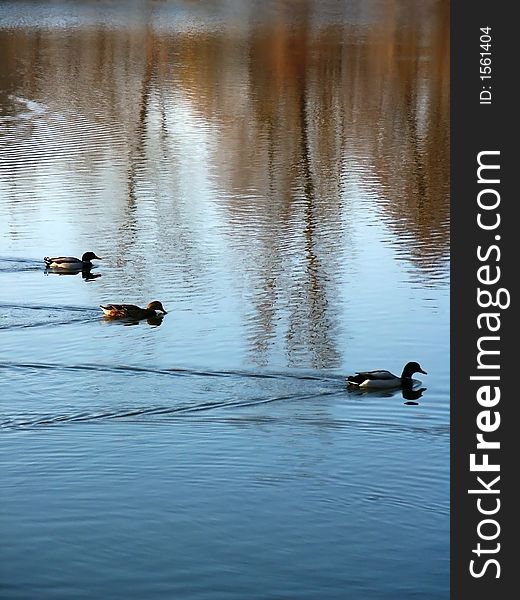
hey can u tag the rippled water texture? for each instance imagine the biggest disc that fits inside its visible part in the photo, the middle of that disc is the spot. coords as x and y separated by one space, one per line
276 174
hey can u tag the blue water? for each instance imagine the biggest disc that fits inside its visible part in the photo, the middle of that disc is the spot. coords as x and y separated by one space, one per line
277 176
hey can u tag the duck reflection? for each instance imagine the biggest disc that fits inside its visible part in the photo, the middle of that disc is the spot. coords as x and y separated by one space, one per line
155 321
409 394
128 322
86 273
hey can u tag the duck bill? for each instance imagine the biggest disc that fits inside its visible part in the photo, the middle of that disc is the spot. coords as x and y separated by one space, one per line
423 372
98 257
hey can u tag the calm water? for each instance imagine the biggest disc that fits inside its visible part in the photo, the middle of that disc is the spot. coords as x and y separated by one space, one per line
276 173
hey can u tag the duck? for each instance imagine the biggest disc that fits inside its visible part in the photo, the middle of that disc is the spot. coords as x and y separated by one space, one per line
71 263
133 312
382 379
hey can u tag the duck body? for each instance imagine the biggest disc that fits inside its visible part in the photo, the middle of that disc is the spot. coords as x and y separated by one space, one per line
382 379
133 312
71 263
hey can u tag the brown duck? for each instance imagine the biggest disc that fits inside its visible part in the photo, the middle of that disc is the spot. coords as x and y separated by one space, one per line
131 311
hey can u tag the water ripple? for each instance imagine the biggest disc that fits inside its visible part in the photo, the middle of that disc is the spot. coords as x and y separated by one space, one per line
24 316
173 372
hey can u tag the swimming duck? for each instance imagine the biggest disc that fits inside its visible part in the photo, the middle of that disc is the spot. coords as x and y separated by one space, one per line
133 312
71 263
384 379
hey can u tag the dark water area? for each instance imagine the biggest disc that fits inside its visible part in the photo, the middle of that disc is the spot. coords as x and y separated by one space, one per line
277 175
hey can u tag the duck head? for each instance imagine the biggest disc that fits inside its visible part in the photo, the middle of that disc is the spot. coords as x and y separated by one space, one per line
156 306
88 256
411 368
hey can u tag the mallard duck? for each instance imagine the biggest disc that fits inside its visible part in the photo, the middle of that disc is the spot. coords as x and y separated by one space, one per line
384 379
133 312
71 263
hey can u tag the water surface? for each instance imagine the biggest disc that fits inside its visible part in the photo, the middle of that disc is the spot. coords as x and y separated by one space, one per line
276 174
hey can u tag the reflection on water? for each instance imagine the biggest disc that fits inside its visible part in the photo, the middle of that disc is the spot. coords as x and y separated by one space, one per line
154 321
411 394
86 273
277 173
265 142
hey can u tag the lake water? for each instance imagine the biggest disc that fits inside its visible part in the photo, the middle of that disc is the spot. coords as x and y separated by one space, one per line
277 175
